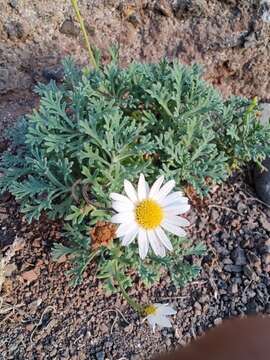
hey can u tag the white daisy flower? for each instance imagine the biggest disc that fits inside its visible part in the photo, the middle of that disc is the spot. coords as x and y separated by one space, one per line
157 315
146 213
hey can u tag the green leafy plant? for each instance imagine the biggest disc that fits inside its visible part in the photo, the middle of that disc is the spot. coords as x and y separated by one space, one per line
102 126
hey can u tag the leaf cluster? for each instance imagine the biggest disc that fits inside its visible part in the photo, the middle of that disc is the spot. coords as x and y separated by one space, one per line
102 126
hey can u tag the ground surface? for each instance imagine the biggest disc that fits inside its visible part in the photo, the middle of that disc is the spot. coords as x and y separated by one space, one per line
41 317
51 321
229 37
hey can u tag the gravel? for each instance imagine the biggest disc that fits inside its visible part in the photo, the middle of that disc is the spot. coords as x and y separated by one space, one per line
50 320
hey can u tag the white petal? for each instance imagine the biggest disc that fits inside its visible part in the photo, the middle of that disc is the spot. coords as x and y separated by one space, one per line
118 197
164 238
177 209
142 188
122 207
155 243
165 190
156 186
147 188
177 220
175 197
164 309
130 191
128 238
152 322
143 243
176 230
126 228
162 321
122 217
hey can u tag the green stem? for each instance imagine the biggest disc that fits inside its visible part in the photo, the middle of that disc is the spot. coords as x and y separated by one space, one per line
136 306
85 35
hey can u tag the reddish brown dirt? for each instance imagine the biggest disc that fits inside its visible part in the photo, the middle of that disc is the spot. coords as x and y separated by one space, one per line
230 38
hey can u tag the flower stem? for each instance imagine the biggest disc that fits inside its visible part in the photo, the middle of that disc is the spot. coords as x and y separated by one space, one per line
134 304
85 35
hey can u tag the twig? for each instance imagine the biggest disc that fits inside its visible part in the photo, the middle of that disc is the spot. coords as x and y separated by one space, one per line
85 35
254 198
40 321
248 285
116 311
78 338
223 207
7 309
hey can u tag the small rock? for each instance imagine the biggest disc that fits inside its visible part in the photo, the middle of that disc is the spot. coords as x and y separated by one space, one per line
262 182
265 223
3 214
249 272
266 268
198 308
227 261
30 327
30 275
179 334
266 259
217 321
234 289
13 3
239 257
104 328
4 78
204 299
69 28
163 8
9 269
100 355
129 329
15 30
251 294
55 72
267 308
250 41
252 307
32 307
265 11
134 19
253 258
233 268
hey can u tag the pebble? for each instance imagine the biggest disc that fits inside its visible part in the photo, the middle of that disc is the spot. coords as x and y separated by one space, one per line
13 3
178 332
252 307
239 257
234 289
249 272
55 72
267 308
100 355
266 259
15 30
163 8
68 28
265 11
218 321
4 78
198 306
233 268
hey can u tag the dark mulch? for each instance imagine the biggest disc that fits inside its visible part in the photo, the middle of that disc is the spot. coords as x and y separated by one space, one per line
53 321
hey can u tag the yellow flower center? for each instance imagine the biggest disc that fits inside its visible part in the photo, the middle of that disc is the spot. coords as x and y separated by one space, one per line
149 214
150 310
